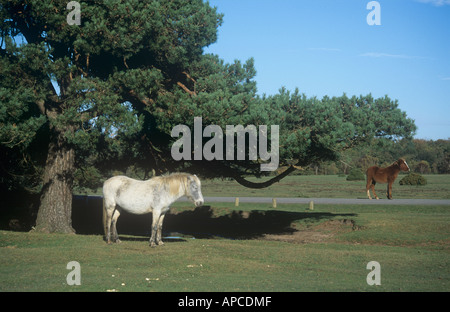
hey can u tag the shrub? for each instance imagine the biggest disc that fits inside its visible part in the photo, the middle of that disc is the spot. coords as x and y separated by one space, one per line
355 175
423 167
413 179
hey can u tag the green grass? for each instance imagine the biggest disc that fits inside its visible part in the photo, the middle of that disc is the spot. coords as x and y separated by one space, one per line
411 243
325 186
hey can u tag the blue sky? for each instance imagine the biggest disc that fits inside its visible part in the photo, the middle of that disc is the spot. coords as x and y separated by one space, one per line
326 47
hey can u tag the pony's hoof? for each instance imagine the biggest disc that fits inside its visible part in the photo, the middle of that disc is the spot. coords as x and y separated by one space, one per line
378 198
152 244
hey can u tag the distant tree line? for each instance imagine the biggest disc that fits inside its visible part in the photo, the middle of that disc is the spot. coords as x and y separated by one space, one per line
422 156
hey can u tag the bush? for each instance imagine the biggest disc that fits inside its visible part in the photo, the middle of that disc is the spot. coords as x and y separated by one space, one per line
413 179
356 175
422 167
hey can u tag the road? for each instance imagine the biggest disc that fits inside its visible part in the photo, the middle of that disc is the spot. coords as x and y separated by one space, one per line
334 201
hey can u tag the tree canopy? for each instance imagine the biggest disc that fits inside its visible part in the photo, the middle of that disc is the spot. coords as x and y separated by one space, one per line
84 99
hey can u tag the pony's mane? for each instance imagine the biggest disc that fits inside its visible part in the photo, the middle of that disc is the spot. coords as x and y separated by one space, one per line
399 161
174 180
175 174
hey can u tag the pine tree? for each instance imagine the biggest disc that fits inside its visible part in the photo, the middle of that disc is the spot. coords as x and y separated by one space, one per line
77 80
105 94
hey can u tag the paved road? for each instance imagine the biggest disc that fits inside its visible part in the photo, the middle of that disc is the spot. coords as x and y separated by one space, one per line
334 201
337 201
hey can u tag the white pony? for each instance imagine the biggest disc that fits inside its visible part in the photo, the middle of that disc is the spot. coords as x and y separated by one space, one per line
140 197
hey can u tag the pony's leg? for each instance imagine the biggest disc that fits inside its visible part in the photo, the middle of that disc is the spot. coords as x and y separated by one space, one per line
372 186
373 191
368 194
159 231
367 189
389 190
115 216
155 222
107 217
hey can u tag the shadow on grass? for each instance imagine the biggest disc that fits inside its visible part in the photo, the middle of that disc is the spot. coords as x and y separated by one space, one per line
169 239
202 222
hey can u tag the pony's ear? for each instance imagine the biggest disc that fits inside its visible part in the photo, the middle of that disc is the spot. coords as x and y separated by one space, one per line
192 177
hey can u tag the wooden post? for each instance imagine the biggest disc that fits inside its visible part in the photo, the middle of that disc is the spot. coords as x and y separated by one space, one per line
311 205
274 203
236 202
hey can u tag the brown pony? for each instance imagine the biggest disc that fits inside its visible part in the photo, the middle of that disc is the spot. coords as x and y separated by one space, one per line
384 175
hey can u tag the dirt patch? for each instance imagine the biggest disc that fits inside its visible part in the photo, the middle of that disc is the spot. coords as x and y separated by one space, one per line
323 232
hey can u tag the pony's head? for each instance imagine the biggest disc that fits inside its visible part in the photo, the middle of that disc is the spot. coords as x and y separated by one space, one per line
193 190
403 165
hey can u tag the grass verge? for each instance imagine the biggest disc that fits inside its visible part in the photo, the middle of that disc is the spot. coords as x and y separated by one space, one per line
411 243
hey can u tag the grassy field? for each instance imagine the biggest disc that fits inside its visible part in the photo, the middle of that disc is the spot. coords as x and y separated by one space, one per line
252 247
326 249
326 186
329 186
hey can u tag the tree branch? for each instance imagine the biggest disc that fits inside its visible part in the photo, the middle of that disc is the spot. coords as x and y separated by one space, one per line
144 100
192 93
259 185
189 76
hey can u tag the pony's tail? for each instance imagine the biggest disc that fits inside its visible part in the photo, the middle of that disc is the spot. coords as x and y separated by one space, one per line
105 217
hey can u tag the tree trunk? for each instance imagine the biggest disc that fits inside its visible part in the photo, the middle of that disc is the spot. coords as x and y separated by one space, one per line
55 211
